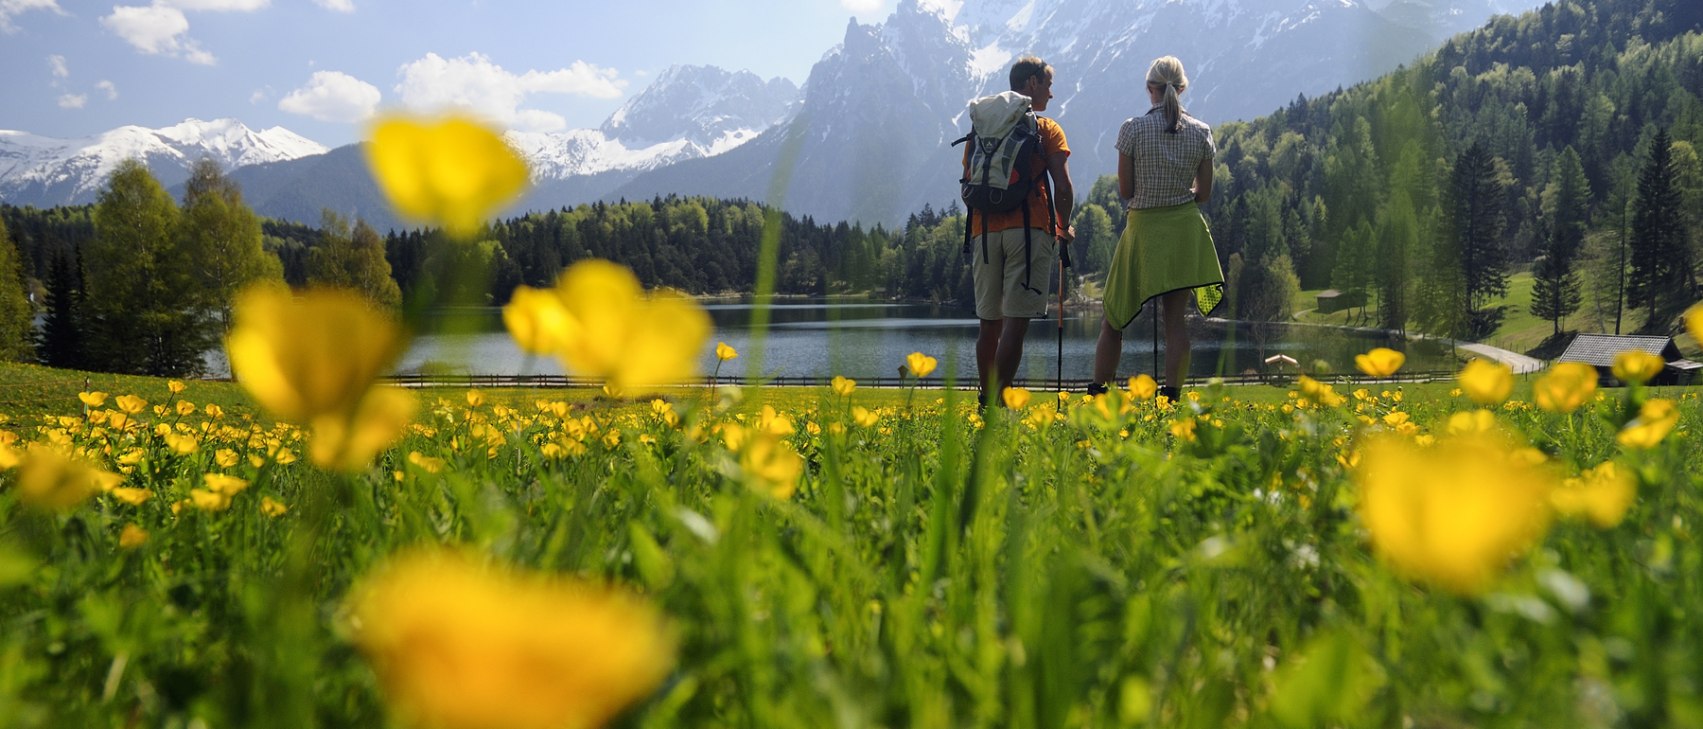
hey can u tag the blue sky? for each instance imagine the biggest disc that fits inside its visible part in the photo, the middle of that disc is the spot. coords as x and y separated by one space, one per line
320 67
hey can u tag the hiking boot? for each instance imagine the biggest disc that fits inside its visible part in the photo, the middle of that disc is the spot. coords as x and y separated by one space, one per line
1098 388
1169 392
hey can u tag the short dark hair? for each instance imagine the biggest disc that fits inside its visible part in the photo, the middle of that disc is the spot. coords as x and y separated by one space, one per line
1026 68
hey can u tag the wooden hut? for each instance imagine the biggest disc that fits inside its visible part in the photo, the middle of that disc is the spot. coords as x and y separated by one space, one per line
1598 350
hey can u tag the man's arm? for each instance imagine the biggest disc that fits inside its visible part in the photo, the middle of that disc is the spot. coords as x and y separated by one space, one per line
1064 196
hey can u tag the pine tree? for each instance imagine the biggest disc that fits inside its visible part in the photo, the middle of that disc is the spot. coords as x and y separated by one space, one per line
1476 198
61 335
1661 279
223 235
17 317
1556 285
146 312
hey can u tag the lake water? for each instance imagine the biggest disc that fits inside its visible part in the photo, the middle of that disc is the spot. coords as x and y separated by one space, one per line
863 339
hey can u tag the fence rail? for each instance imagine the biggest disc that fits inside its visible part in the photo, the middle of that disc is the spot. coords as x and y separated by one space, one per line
469 381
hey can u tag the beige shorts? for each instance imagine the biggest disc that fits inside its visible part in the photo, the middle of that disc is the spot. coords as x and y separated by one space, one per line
1000 293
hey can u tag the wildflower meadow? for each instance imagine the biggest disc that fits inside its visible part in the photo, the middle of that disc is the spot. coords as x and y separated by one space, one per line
311 547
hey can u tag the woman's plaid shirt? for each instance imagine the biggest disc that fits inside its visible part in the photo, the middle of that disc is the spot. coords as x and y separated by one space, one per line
1165 163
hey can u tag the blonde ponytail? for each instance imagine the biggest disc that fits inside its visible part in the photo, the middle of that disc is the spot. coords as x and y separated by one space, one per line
1168 72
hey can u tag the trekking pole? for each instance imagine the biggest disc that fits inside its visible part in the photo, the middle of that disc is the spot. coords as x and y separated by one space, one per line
1063 263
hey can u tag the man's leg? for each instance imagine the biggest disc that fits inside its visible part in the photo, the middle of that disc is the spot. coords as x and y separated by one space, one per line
1010 351
987 348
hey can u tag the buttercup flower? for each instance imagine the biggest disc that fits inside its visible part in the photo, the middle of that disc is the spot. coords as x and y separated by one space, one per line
1455 513
458 644
349 443
92 399
616 331
1487 382
131 404
725 352
1656 418
864 416
1380 362
304 357
132 536
453 171
1566 387
919 364
772 465
537 320
1142 387
1015 397
1694 321
49 478
1635 366
1601 494
842 386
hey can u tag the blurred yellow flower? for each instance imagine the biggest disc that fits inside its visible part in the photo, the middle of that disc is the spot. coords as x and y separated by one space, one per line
213 411
636 341
1184 429
1455 513
272 507
537 320
10 457
1472 422
1694 321
919 364
1142 387
772 464
220 483
771 421
475 398
1566 387
225 457
130 495
458 644
842 386
425 462
131 404
452 171
209 501
1638 367
1380 362
49 478
724 352
132 536
303 357
349 443
1015 398
92 399
181 444
1487 382
1601 495
1656 418
864 416
185 407
175 386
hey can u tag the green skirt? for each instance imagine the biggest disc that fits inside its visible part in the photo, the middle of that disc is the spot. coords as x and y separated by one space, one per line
1163 250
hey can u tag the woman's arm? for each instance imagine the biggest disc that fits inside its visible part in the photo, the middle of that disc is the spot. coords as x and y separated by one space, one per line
1202 181
1126 178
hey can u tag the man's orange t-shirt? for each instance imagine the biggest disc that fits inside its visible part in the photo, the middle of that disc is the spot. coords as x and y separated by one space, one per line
1040 196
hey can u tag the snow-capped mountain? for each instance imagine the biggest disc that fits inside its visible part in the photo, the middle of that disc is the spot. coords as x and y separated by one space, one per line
42 170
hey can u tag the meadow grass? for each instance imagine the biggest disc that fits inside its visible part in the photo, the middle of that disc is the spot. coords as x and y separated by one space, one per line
1119 563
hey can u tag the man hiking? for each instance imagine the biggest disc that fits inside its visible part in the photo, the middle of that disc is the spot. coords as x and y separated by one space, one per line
1015 249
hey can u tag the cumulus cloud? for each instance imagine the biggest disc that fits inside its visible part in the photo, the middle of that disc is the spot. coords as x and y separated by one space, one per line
110 89
13 8
476 84
341 6
863 7
156 30
230 6
56 62
333 96
73 101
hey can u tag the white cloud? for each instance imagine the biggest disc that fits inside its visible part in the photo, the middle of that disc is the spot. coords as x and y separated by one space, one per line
11 8
260 95
341 6
110 89
863 7
73 101
475 84
156 30
332 96
234 6
57 63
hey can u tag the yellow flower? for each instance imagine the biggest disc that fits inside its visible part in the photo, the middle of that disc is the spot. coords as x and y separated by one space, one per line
130 495
132 536
1487 382
92 399
919 364
842 386
1656 418
1472 422
425 462
349 443
1142 387
225 457
1566 387
724 352
10 457
175 386
1601 495
49 478
182 445
1694 321
303 357
1455 513
272 507
475 398
771 421
131 404
1183 429
864 417
452 171
1015 397
1380 362
209 500
185 407
213 411
636 341
219 483
537 320
772 464
1637 367
458 644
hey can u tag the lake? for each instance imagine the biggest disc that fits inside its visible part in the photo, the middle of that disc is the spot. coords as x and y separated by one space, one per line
864 339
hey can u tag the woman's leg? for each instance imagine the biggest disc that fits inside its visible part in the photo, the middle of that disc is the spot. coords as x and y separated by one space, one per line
1175 306
1106 353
